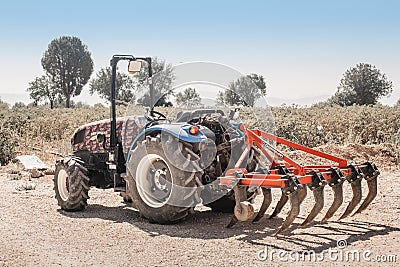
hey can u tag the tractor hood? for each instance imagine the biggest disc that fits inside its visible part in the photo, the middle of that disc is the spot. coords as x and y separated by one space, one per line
86 137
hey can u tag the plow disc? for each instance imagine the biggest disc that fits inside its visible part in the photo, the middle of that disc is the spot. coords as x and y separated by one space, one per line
294 178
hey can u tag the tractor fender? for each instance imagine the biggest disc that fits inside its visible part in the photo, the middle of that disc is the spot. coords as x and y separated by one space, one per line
178 130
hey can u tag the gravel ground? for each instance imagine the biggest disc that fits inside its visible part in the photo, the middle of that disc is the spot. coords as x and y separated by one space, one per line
35 232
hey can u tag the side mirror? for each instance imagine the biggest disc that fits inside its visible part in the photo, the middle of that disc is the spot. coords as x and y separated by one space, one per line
134 66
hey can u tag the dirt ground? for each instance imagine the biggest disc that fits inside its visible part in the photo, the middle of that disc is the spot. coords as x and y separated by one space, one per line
35 232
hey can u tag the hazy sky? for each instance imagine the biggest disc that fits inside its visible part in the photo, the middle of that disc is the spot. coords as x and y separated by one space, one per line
302 48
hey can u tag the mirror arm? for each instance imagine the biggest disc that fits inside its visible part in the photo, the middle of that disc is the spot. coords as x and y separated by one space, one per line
152 104
113 62
113 137
150 70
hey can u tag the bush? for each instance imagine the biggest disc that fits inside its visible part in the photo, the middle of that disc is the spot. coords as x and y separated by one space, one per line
7 146
315 126
19 105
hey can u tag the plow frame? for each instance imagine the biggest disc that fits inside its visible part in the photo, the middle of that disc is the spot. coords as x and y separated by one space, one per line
273 179
294 178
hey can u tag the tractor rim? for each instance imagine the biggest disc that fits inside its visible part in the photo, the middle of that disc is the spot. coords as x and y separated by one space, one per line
62 184
154 180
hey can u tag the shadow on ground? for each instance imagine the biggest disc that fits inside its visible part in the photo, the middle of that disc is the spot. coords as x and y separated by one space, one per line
211 225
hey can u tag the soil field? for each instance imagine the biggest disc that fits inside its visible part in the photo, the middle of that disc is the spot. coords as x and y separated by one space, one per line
35 232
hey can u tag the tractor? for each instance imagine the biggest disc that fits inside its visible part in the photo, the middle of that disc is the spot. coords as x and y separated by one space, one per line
164 169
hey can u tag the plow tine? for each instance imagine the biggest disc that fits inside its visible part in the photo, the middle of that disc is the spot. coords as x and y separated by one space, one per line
281 203
336 183
371 175
317 186
337 201
372 186
292 192
303 194
319 204
264 206
284 198
357 194
294 211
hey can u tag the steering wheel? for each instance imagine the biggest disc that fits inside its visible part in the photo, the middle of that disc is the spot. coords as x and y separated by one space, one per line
159 117
152 119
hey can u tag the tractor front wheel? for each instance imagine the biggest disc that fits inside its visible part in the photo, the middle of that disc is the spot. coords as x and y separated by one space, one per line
71 184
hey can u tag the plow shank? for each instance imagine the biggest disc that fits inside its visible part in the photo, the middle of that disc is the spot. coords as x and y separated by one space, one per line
294 211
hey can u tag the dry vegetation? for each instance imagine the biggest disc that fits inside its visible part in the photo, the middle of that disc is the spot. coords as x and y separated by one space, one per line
30 215
317 126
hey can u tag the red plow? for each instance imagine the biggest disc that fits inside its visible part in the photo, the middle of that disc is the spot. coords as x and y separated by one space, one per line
294 178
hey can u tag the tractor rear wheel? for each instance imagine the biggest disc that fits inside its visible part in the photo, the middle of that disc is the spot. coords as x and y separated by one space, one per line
71 184
162 192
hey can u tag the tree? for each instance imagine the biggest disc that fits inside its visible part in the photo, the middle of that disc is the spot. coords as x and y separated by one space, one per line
244 91
220 98
3 105
189 97
160 100
69 64
19 104
363 84
41 89
398 103
163 77
125 86
259 81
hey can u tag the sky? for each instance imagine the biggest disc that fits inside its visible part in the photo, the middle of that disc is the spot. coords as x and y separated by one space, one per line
302 48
